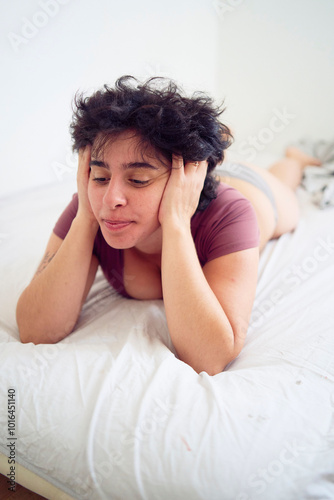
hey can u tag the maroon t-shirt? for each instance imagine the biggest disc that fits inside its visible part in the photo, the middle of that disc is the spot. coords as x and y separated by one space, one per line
227 225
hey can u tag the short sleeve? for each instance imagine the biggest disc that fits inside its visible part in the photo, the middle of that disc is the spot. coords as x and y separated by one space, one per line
65 220
229 224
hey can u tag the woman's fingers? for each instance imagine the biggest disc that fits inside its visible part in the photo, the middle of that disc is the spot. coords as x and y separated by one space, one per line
83 182
83 167
177 163
84 157
183 190
199 166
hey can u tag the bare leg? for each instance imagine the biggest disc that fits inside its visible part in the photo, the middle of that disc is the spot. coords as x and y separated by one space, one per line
283 178
290 169
287 175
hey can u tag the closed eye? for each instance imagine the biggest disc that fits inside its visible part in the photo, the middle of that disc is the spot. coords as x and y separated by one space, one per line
100 180
134 182
138 183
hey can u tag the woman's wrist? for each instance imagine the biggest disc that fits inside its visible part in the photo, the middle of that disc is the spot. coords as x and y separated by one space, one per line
86 223
174 222
175 233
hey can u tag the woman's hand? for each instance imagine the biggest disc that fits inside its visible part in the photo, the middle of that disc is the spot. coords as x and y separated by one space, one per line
182 191
84 210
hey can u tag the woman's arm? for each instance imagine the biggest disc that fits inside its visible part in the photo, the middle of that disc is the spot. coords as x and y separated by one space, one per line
49 307
207 309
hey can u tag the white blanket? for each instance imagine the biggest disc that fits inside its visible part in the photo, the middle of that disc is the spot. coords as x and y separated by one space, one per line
111 413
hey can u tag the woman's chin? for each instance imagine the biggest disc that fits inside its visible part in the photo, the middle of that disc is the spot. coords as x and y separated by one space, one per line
118 239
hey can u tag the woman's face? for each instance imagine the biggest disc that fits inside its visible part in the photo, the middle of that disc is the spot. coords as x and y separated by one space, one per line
125 190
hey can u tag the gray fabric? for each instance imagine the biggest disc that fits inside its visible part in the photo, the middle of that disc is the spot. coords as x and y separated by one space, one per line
244 173
319 181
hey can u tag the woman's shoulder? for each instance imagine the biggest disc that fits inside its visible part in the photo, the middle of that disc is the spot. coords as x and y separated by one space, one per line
227 225
227 202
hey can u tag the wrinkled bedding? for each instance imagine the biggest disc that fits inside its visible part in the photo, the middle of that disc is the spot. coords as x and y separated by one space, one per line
110 412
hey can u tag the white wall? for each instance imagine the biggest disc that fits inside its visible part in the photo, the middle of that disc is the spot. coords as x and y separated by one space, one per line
82 45
276 59
263 56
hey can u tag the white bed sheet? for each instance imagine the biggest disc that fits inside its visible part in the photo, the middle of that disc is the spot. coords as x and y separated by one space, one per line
110 412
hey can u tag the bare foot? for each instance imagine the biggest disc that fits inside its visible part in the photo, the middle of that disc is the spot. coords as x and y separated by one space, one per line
302 158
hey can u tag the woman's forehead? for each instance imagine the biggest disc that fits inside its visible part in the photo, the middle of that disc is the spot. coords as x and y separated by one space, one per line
105 141
129 142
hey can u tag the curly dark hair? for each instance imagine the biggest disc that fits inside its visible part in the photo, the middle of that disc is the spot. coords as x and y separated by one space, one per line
163 117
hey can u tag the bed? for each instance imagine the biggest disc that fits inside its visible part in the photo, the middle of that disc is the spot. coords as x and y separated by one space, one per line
111 413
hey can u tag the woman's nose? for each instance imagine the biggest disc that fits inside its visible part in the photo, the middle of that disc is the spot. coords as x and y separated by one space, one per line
115 195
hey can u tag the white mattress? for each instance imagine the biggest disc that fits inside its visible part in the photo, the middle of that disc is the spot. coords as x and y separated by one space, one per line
110 412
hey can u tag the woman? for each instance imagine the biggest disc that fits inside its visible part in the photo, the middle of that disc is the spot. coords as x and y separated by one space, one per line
152 214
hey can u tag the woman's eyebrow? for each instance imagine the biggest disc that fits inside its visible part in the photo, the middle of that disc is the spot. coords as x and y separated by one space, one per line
97 163
139 164
125 166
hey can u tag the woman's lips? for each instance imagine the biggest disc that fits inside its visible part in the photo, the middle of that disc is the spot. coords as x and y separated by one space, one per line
116 225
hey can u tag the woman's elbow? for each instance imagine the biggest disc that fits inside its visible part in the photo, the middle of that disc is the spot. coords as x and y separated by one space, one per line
219 367
43 336
214 365
28 336
219 361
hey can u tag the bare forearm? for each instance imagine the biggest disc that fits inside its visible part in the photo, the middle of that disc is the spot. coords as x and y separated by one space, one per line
49 307
199 328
